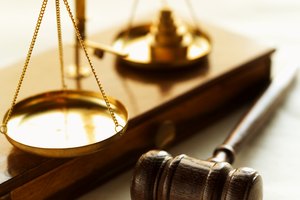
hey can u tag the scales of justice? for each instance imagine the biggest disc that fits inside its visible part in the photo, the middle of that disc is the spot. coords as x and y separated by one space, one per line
170 83
66 123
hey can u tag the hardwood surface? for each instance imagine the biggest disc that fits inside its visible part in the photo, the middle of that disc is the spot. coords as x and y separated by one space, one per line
229 76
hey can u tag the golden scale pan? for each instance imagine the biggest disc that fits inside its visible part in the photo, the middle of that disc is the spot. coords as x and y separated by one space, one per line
165 44
63 123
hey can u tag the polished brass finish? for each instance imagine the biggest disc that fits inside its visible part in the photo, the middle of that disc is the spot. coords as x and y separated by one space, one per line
165 44
99 49
81 42
80 7
60 45
65 123
78 71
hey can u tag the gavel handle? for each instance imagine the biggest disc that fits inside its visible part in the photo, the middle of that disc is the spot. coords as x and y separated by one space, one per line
256 116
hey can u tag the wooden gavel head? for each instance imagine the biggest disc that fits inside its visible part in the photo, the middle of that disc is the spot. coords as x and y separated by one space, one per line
159 176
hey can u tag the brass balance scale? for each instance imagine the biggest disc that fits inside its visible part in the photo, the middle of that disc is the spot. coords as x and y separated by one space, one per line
65 122
81 122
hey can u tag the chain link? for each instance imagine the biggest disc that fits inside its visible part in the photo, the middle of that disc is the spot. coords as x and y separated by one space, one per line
91 65
60 46
3 128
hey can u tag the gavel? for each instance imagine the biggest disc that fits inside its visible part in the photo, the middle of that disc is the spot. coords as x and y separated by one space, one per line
159 176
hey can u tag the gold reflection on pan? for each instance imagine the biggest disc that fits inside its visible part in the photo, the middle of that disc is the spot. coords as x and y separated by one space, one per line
64 123
137 43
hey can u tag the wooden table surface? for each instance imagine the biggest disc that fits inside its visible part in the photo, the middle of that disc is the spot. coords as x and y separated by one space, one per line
274 153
